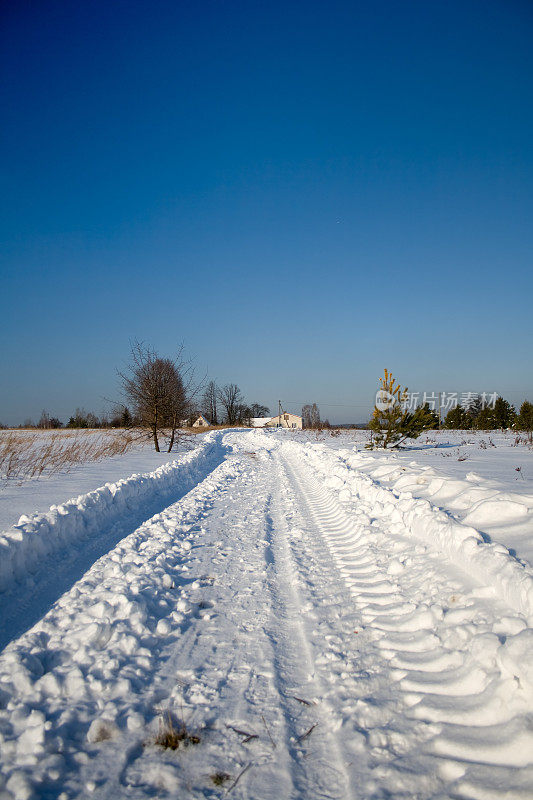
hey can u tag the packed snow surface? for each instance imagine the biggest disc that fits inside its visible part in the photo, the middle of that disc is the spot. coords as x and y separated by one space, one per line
298 617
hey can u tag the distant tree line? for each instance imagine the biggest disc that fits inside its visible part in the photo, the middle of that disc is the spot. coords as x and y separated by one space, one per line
392 421
161 399
477 416
81 419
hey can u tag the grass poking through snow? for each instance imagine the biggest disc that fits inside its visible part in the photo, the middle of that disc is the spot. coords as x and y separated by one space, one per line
171 736
30 454
220 778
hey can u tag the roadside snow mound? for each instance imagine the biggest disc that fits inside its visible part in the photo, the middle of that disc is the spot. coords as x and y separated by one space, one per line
37 536
494 505
490 564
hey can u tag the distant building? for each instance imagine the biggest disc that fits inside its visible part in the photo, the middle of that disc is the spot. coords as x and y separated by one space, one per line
259 422
201 422
285 420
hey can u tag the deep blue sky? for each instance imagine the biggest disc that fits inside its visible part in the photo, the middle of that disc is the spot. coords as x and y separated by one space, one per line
302 192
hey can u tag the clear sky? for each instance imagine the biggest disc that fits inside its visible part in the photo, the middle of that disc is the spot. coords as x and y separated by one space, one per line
301 192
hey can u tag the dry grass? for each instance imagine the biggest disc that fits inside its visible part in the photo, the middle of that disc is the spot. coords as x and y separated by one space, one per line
220 778
172 736
29 454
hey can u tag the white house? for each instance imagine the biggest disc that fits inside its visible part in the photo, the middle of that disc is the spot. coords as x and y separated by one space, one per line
285 420
201 422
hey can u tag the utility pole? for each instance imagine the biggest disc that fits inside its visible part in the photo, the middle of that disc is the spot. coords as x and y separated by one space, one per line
279 412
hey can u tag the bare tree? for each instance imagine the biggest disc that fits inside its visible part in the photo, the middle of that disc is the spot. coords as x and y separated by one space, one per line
92 420
257 410
155 390
243 414
177 404
230 398
311 416
315 416
209 403
44 421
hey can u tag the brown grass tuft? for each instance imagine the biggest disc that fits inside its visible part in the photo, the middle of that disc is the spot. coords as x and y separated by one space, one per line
220 778
25 455
171 737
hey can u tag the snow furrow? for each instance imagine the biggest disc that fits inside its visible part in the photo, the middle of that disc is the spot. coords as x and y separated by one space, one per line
490 563
32 576
23 546
91 669
450 669
312 732
368 708
180 619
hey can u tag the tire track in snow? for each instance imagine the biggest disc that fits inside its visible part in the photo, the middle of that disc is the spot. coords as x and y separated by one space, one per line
239 667
220 675
360 691
318 768
444 668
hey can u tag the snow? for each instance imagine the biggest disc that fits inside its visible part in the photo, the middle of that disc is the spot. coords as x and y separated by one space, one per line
482 479
38 494
324 621
83 528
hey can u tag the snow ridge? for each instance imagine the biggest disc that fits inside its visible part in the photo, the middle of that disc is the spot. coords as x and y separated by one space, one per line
491 564
87 669
459 669
25 545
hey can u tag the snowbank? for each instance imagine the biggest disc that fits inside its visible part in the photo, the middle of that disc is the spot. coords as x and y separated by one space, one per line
37 536
491 564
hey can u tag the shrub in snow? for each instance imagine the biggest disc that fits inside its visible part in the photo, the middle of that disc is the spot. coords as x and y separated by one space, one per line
524 421
391 423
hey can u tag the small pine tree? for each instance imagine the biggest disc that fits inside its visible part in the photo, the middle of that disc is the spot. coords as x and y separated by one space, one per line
504 414
78 420
431 417
484 421
473 409
390 423
385 420
457 419
524 421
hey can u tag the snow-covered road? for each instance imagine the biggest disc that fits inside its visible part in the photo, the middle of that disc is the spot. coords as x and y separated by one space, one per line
321 635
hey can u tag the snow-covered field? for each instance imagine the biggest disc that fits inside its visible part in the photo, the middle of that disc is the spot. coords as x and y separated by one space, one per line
316 620
20 494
